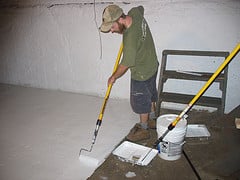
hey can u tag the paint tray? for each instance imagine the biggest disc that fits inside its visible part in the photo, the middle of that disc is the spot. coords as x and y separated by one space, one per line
197 130
135 153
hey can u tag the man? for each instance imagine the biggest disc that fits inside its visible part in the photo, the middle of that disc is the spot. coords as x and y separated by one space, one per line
140 57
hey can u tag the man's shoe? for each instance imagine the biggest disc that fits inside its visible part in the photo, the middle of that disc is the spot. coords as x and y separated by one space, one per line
152 124
137 133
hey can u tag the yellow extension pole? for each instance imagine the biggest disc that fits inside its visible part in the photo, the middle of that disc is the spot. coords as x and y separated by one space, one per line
110 85
200 93
99 121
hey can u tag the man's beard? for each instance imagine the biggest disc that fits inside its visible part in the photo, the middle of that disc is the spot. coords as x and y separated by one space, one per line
121 27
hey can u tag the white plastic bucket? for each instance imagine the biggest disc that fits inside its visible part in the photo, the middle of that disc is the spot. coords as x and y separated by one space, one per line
171 146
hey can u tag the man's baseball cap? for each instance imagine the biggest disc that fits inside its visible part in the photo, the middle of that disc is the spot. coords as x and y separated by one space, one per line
110 14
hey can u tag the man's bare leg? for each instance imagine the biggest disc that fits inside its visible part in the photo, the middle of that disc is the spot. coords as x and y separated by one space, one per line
152 114
153 107
144 120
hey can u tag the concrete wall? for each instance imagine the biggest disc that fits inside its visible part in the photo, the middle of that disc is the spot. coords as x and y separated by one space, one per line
56 44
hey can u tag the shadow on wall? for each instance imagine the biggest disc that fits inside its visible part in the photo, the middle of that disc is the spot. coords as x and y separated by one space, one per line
10 36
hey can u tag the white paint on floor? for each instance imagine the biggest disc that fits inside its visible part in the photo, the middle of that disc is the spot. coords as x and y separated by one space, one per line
42 132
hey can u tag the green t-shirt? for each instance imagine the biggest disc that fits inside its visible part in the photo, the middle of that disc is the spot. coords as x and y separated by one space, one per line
138 47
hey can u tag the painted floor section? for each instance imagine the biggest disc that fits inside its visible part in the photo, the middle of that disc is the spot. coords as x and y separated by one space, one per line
42 132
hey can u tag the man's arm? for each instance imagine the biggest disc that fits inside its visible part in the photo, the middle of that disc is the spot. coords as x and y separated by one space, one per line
118 73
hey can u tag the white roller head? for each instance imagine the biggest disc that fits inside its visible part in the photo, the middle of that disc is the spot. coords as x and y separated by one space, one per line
89 161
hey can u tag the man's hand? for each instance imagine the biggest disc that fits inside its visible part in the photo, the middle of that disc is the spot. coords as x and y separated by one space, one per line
117 74
111 80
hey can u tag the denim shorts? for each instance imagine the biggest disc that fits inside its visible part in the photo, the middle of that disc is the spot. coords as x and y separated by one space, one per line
143 93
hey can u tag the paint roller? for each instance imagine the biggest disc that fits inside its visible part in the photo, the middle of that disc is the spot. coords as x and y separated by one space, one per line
85 159
200 93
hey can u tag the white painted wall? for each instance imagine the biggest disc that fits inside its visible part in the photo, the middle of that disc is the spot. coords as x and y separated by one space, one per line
59 47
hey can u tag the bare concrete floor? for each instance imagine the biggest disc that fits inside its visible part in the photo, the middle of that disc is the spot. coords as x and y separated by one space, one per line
216 157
